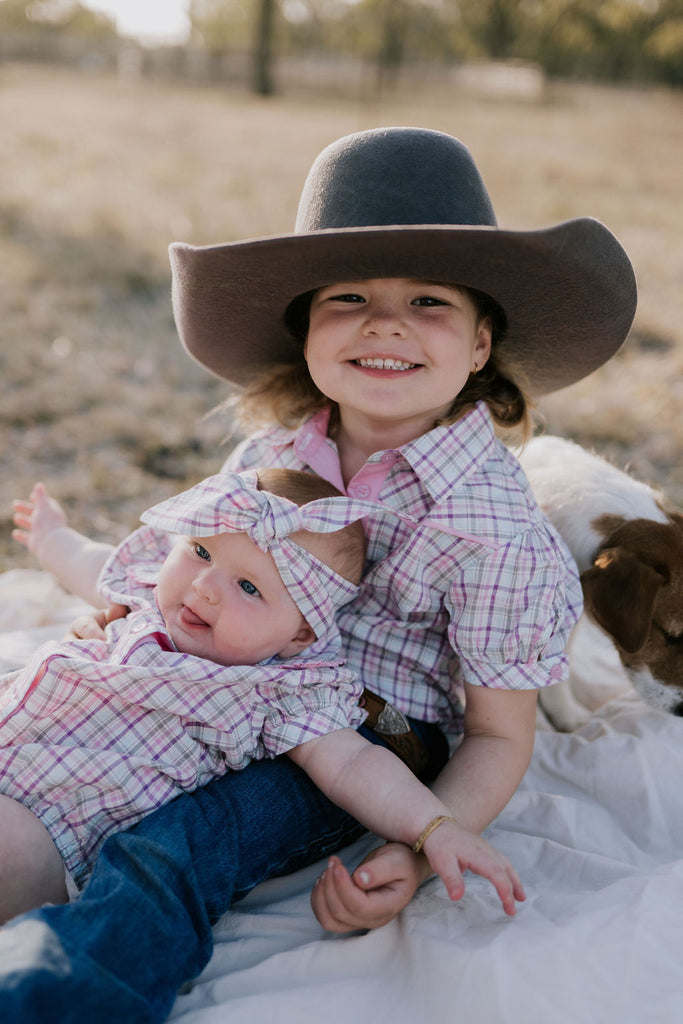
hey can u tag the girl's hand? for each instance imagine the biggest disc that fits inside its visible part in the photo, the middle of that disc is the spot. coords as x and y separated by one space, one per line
451 850
36 519
386 881
92 627
380 887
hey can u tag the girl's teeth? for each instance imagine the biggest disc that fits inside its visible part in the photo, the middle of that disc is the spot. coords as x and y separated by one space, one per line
385 364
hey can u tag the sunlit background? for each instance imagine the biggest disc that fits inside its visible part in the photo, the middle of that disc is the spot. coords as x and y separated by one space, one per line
127 125
147 20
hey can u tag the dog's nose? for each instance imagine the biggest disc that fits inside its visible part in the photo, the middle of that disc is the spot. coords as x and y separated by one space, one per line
677 709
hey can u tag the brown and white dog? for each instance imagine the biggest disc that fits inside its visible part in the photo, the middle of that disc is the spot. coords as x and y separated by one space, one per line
629 550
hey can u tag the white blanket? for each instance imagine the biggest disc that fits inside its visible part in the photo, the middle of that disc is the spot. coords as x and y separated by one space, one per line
595 830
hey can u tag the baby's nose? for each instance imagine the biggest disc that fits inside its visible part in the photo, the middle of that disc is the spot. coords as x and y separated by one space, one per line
207 585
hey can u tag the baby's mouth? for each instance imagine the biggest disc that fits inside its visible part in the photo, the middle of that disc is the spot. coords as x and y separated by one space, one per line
191 619
385 364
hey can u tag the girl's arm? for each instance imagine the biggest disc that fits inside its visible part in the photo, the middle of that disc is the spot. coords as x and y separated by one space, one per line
475 785
74 559
375 787
489 764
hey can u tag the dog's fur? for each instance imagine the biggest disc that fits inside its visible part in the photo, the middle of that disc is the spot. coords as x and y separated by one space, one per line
629 550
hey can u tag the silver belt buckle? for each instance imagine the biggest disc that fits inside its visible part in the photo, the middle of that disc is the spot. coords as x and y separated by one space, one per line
392 722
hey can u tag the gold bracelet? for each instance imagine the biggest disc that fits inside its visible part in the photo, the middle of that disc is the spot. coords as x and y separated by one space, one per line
431 827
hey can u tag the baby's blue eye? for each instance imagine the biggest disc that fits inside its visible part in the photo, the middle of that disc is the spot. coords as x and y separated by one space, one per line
201 552
249 588
348 297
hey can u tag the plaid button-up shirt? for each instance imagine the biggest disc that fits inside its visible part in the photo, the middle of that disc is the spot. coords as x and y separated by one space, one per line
94 735
483 591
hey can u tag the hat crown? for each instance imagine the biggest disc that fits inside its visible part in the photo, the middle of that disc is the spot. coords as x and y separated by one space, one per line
391 176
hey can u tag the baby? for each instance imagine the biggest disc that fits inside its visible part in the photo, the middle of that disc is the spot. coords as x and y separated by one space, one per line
230 652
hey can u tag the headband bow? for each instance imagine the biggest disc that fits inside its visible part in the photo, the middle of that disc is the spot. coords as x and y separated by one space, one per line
231 503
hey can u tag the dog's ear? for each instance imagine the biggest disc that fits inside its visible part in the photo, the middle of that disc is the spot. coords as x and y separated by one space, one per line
619 591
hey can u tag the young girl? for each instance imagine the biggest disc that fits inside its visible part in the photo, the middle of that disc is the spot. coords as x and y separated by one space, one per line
395 308
95 735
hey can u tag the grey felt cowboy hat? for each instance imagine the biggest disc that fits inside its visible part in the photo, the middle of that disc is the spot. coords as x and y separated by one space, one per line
408 202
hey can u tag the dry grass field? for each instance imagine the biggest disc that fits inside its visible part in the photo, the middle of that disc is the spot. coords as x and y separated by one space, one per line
98 176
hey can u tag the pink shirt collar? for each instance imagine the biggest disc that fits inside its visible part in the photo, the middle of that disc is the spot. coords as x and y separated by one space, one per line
441 458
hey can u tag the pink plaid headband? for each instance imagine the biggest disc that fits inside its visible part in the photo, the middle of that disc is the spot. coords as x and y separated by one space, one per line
231 503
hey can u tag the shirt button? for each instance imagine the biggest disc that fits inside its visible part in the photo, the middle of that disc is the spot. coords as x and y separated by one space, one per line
389 457
359 491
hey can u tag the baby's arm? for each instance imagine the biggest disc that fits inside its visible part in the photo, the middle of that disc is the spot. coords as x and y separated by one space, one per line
476 784
74 559
375 787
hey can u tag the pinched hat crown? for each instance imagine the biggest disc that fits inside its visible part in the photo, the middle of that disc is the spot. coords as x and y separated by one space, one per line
407 202
394 176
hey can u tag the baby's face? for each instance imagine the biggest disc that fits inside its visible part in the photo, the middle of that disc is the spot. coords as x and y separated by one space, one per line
222 599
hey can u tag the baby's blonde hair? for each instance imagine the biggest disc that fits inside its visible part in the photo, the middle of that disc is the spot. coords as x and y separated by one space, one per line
344 550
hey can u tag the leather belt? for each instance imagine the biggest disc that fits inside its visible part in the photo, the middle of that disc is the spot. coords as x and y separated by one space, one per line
395 730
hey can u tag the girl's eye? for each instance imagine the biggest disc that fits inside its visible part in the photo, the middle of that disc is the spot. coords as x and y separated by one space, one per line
201 552
429 300
347 297
249 588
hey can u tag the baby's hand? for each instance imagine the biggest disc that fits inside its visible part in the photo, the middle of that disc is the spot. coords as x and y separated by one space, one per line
380 887
36 518
93 626
451 850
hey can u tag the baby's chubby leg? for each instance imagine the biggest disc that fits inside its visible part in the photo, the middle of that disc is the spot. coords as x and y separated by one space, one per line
31 869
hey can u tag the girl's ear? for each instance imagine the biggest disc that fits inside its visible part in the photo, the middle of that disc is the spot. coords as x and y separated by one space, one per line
482 344
303 639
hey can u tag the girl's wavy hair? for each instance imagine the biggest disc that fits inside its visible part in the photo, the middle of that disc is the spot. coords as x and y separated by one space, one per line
286 393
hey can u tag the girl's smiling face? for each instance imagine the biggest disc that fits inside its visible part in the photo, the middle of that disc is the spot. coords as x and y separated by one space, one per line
394 351
222 598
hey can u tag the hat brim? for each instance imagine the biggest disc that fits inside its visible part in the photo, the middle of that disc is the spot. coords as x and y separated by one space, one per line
568 292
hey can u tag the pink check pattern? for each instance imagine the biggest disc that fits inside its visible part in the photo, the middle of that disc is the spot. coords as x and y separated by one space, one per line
94 735
232 503
483 591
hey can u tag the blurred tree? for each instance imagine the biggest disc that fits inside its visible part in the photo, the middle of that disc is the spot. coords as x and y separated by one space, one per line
405 30
63 16
615 39
219 26
495 26
263 49
13 15
315 25
390 22
664 45
222 26
387 33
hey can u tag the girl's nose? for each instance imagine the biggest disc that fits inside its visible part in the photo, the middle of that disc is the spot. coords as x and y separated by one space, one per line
384 321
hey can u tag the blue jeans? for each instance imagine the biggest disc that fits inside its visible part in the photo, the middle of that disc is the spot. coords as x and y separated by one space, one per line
142 926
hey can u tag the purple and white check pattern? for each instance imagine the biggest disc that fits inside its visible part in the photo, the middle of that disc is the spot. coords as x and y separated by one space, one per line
232 503
483 591
114 729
